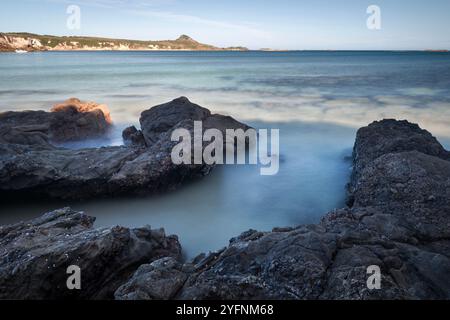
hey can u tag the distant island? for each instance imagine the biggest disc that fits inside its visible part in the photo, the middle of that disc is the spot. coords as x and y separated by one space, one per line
27 42
436 50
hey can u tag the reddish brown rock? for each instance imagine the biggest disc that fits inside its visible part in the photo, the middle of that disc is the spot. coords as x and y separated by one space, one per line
69 121
77 120
83 107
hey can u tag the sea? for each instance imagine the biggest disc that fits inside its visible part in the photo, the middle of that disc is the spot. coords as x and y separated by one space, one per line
317 100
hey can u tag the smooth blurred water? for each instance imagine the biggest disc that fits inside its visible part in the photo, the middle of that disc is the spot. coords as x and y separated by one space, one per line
316 99
349 88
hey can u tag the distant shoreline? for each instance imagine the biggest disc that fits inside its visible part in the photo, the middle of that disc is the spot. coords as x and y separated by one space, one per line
29 42
231 50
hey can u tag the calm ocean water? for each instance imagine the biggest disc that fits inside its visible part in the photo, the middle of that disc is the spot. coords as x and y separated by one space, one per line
316 99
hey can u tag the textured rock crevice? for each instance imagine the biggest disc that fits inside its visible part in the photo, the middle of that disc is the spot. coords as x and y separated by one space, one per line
35 255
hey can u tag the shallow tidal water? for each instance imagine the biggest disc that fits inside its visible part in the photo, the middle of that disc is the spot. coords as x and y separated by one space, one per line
316 99
206 213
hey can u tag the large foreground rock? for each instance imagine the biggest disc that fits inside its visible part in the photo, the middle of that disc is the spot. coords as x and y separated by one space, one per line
35 255
143 166
390 136
399 221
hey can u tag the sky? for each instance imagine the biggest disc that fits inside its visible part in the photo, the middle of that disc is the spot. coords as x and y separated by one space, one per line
276 24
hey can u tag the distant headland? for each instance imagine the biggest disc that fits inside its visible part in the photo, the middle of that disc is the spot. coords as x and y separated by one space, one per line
26 42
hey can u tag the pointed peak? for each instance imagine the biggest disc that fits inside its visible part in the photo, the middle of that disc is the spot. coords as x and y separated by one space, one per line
184 37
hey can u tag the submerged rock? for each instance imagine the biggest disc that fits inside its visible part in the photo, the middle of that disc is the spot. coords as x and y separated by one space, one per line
143 166
35 255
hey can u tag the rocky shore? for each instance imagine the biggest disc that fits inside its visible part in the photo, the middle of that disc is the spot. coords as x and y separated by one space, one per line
397 217
31 165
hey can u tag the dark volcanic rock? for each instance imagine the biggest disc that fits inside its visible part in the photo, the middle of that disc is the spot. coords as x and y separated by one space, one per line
159 280
25 128
69 121
399 221
60 173
134 137
164 117
34 256
404 179
35 167
181 113
391 136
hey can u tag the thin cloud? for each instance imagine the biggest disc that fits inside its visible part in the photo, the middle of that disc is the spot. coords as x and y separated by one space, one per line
250 30
148 8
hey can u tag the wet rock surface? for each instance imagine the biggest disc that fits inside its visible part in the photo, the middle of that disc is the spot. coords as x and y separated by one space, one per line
35 255
143 166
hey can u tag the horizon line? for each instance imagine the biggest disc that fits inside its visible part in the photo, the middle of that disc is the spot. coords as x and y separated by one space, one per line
437 50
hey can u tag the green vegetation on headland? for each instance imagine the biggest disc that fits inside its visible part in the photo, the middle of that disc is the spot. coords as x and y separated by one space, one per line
35 42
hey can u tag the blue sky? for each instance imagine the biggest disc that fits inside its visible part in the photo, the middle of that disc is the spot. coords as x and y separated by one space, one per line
280 24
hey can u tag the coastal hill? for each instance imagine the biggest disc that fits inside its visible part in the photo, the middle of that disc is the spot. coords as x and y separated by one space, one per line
34 42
